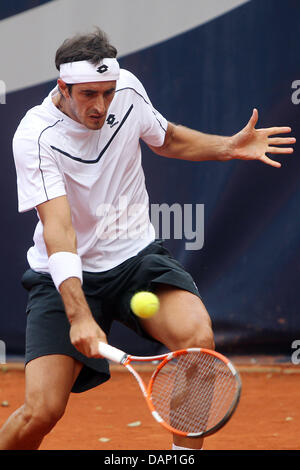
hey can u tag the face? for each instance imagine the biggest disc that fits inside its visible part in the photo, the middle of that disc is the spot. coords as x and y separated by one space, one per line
88 103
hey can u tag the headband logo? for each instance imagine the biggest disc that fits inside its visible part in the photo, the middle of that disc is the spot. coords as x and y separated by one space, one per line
103 68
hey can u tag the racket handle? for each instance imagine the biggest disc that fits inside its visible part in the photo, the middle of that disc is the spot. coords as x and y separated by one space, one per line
111 353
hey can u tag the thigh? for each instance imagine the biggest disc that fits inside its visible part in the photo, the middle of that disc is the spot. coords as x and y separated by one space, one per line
48 334
182 320
150 270
49 381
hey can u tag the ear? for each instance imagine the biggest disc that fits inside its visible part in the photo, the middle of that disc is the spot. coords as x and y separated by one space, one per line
63 88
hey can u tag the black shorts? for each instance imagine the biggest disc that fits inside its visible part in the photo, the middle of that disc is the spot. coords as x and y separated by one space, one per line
108 295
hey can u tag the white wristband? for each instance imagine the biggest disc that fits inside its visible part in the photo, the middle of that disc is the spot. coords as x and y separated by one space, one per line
63 265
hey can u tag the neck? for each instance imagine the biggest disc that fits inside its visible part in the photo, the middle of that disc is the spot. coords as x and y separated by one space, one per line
58 101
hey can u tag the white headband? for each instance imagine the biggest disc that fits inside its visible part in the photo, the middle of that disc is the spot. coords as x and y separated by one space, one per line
83 71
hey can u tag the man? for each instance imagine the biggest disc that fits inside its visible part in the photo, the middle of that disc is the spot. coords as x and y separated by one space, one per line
76 155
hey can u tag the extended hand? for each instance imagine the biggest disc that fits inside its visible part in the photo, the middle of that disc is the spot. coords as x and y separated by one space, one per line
253 144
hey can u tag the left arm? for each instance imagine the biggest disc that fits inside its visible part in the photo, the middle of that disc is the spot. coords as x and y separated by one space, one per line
248 144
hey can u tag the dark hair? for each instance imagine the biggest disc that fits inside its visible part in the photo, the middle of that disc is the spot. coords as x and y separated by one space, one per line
93 47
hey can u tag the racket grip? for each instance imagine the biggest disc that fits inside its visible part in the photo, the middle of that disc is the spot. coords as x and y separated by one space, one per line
111 353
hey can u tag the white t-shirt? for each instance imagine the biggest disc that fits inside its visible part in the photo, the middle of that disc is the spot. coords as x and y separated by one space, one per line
99 171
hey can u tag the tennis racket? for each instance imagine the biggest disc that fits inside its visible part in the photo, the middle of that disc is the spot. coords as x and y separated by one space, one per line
192 392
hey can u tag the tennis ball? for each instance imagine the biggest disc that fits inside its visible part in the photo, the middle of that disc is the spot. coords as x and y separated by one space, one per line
144 304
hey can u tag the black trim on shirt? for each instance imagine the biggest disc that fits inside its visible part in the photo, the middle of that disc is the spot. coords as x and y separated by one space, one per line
40 160
149 104
77 159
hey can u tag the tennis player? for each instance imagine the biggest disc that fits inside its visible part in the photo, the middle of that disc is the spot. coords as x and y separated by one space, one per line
76 155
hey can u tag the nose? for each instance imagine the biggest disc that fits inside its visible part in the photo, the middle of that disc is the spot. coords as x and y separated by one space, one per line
99 105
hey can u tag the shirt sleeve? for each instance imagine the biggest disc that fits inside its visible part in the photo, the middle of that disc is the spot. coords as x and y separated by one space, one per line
152 124
38 176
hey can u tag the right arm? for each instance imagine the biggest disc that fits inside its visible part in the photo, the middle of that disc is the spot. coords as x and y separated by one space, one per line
60 236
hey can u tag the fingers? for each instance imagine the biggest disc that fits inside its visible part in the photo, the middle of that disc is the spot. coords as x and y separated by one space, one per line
277 130
94 348
275 150
280 150
87 346
254 118
269 161
94 344
282 140
87 341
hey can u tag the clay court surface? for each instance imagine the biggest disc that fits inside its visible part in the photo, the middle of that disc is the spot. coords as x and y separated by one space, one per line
115 416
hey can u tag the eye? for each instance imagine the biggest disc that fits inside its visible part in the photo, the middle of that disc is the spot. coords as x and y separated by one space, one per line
110 92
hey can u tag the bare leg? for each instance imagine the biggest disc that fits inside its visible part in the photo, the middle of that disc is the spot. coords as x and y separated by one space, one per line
182 322
48 383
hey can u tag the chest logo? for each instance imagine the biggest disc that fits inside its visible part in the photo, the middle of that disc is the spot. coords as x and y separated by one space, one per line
111 120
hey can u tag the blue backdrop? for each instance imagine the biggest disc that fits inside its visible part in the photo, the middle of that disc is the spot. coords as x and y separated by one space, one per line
208 78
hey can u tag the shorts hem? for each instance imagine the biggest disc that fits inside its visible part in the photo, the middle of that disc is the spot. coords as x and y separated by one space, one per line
90 375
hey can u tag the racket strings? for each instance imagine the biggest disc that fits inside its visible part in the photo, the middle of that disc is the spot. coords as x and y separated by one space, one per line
193 392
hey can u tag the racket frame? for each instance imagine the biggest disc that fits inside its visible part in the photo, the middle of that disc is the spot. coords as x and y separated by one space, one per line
120 357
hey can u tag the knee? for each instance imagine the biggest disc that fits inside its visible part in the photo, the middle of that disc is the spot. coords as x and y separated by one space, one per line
196 335
40 417
201 330
203 337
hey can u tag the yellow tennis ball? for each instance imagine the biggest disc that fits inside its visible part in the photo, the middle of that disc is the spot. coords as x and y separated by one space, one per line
144 304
